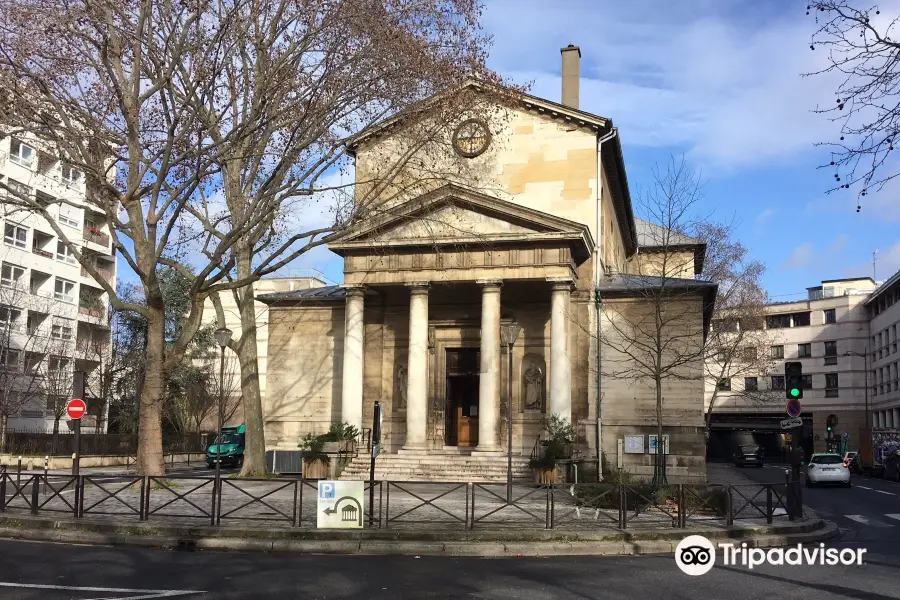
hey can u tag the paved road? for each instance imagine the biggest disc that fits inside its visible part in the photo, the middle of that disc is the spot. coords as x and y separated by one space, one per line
868 511
93 573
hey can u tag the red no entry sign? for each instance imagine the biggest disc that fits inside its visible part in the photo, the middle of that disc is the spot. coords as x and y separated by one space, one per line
76 408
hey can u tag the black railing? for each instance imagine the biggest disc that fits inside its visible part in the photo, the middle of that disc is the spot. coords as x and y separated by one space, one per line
283 502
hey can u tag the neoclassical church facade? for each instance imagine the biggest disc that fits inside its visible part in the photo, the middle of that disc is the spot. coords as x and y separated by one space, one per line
535 230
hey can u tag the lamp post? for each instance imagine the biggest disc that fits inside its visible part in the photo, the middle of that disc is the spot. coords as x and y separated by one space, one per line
223 337
865 356
508 334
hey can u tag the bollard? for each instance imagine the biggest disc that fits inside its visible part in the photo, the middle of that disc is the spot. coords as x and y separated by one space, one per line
35 494
46 476
19 474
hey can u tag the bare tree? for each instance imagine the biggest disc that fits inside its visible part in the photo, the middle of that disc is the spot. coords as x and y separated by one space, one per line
862 48
737 346
168 108
656 332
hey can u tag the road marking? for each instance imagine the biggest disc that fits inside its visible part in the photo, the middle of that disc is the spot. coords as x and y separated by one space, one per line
866 521
862 487
145 594
896 517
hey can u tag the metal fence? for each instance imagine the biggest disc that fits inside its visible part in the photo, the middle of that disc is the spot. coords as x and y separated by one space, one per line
292 503
28 443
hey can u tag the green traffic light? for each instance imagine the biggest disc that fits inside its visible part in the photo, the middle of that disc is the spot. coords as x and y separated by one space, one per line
795 392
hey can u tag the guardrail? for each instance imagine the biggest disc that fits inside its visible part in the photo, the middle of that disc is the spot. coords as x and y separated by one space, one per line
284 502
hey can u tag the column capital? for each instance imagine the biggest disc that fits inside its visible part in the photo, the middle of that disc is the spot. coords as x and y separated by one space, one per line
489 283
353 289
561 283
418 287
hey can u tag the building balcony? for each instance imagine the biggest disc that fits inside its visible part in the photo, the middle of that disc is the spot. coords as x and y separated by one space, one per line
96 236
91 311
106 274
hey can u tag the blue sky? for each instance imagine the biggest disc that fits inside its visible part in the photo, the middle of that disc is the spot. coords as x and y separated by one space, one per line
718 81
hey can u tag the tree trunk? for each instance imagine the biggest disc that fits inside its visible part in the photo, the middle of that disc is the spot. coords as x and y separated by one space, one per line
659 471
55 443
254 440
3 420
150 454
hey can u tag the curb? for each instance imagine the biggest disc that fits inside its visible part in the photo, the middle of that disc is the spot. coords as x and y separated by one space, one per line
379 542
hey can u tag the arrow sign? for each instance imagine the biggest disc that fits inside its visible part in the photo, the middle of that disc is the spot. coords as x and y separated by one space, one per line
359 511
791 423
76 408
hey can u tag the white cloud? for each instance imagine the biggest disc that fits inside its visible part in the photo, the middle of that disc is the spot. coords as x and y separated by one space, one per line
726 86
765 215
799 258
839 244
886 264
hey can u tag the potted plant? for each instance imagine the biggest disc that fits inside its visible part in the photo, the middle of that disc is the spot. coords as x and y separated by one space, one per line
341 438
560 435
315 460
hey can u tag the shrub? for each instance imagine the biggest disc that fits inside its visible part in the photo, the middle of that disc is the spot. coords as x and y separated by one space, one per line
339 432
313 447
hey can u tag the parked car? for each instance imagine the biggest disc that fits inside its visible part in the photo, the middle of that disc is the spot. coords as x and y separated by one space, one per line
827 468
748 455
892 466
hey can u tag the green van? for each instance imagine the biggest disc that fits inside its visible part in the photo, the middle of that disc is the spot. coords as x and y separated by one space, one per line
230 448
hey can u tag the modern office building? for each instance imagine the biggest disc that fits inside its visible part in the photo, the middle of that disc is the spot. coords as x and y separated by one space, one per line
829 333
53 314
884 314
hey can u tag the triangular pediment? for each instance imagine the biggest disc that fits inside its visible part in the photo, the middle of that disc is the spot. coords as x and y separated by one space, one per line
459 216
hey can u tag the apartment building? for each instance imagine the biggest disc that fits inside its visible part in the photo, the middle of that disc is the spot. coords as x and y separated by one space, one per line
53 314
829 334
884 315
233 322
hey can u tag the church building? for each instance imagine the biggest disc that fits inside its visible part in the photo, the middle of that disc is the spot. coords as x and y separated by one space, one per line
531 245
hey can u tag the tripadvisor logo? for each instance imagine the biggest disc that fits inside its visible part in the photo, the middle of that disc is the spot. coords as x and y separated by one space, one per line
696 555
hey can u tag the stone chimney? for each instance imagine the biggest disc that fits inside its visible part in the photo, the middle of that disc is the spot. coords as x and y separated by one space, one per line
571 72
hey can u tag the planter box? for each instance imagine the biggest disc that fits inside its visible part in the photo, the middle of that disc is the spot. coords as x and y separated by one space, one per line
546 475
339 447
315 469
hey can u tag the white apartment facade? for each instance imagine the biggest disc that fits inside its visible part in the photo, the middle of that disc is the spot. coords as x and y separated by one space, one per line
233 322
828 333
884 358
52 312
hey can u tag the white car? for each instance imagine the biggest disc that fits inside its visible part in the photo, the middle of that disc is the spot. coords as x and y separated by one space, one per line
827 468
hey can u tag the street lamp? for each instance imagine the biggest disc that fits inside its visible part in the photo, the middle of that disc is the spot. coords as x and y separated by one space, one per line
865 356
508 334
223 337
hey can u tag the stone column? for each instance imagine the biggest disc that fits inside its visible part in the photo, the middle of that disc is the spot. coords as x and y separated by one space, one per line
560 365
489 376
354 339
897 417
417 369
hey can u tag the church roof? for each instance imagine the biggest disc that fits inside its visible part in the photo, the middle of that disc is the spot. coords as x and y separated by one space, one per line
331 292
656 238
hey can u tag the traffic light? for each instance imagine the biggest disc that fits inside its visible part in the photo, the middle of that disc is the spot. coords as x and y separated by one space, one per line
793 379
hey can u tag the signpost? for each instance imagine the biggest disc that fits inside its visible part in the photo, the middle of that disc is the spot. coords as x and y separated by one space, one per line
340 505
791 423
77 408
377 422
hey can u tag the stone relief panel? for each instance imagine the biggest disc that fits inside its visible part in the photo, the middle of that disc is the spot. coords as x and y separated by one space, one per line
401 374
534 382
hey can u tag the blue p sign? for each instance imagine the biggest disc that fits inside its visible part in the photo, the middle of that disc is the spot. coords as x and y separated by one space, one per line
326 489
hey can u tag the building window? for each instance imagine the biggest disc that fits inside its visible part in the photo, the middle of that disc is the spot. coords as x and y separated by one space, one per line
831 385
61 331
724 384
68 216
830 316
21 154
70 175
804 350
777 382
751 384
806 382
776 352
8 316
831 353
801 319
64 290
11 275
64 253
15 235
778 321
9 359
749 353
19 188
58 366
